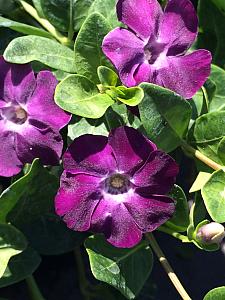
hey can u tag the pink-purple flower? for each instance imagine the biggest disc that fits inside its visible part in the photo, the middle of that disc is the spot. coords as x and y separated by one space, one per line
29 118
153 47
116 186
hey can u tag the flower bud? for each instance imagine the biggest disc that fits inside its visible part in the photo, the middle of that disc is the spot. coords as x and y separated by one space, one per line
212 233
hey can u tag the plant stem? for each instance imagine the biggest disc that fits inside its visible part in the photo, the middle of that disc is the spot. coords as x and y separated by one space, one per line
35 293
83 282
71 31
175 234
164 262
212 164
45 23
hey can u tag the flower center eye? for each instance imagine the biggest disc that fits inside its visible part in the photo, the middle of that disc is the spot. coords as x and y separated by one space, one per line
117 184
15 114
153 50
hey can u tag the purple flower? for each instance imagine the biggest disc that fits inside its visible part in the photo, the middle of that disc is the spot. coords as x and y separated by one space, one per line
152 48
116 186
29 119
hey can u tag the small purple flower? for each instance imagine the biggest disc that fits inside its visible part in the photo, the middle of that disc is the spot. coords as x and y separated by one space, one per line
116 186
29 118
153 47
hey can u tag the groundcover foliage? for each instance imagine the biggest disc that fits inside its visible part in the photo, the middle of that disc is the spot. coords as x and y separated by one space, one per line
100 103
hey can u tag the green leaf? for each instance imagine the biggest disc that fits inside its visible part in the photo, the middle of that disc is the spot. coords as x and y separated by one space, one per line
108 9
213 194
28 48
125 269
20 267
115 116
49 235
211 35
78 95
216 294
6 7
29 197
37 5
57 12
130 96
218 77
208 132
165 116
221 150
12 242
180 219
88 52
81 12
200 181
23 28
107 76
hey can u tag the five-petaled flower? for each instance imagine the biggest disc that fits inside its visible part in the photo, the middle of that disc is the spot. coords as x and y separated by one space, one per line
116 186
29 118
153 48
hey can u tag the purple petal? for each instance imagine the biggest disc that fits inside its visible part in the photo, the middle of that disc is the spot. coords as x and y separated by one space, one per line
76 199
112 218
143 73
17 82
126 52
3 103
130 147
37 139
41 105
142 16
9 162
186 74
158 173
90 154
179 26
150 211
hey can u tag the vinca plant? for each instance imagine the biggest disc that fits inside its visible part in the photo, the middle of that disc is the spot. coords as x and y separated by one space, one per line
112 146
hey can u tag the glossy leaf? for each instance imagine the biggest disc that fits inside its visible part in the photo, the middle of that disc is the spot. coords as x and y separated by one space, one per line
20 267
165 116
180 219
208 132
29 48
29 197
88 52
78 95
130 96
218 100
107 76
125 269
115 116
216 294
213 194
12 242
48 235
108 9
23 28
57 12
81 12
200 181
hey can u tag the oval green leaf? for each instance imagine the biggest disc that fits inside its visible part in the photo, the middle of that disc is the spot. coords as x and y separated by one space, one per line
216 294
213 194
208 132
88 51
29 48
78 95
12 242
125 269
165 116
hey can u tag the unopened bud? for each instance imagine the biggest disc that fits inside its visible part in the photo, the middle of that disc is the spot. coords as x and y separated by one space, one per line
212 233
